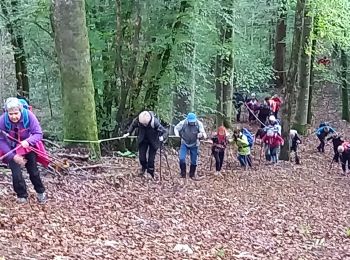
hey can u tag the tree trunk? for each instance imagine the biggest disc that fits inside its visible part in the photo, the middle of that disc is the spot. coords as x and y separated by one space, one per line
73 53
280 50
14 27
312 82
344 89
224 72
289 89
304 71
128 81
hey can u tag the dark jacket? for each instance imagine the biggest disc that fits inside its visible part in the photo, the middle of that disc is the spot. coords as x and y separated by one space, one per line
295 143
150 133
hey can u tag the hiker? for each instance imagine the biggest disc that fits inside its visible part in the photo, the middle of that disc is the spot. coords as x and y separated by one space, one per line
295 141
272 142
150 136
273 124
238 101
344 152
220 142
253 105
275 104
322 132
243 147
21 124
336 141
264 112
190 130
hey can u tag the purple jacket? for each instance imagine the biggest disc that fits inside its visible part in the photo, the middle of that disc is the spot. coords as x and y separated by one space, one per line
32 134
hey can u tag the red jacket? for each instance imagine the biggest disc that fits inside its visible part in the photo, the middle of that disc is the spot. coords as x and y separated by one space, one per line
273 141
275 104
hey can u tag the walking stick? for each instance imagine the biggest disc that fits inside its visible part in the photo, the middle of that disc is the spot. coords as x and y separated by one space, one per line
160 161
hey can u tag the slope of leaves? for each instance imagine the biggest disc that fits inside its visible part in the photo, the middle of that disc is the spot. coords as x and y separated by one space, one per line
281 212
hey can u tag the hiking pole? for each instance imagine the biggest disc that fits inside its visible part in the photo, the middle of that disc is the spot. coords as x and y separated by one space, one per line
160 161
9 152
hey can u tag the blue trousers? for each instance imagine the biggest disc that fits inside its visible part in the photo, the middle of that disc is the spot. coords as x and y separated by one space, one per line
193 154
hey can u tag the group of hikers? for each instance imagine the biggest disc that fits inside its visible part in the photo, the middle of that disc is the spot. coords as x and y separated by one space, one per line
21 141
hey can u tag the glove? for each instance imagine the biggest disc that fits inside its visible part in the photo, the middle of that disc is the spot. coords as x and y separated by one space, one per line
200 135
126 135
20 160
161 138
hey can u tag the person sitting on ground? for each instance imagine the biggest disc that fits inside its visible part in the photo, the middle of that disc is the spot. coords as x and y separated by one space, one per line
241 141
344 152
295 141
150 136
22 125
272 142
321 133
190 130
253 105
220 142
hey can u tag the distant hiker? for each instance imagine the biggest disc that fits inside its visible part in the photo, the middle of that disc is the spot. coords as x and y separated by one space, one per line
324 61
323 130
238 101
264 112
272 142
336 141
22 125
190 130
275 104
243 147
220 142
253 105
295 141
344 152
150 136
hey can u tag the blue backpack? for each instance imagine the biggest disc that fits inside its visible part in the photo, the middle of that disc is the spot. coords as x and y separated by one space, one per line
249 136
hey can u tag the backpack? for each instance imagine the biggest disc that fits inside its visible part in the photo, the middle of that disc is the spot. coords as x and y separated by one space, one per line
249 136
186 124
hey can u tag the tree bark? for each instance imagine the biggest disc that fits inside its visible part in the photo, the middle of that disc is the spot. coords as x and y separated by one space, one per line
280 50
304 74
344 89
289 88
73 53
14 27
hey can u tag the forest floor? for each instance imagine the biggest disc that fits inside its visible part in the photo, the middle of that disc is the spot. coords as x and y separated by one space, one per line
286 211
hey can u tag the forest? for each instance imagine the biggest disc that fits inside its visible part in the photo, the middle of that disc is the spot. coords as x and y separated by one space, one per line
88 68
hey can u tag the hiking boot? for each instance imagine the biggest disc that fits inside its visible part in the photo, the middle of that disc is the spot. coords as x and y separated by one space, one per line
142 172
183 170
22 200
41 197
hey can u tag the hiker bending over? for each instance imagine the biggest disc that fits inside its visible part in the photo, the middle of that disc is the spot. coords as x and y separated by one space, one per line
21 124
190 130
220 142
150 136
243 147
344 153
323 130
294 143
336 141
272 143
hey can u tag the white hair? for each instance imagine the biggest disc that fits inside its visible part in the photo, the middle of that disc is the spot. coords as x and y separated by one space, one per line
12 103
